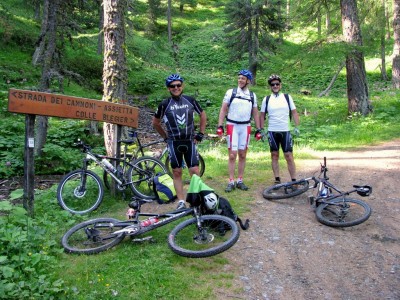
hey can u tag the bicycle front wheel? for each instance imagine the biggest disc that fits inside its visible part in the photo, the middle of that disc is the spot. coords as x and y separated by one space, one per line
215 235
185 173
80 192
92 236
141 173
343 212
286 190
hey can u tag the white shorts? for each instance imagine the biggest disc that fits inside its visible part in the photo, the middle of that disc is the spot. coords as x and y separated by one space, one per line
238 136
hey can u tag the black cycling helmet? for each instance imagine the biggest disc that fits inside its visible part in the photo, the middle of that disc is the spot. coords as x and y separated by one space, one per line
273 77
173 77
246 73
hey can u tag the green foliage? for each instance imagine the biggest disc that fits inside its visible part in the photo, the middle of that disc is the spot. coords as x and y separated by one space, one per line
89 68
11 147
27 256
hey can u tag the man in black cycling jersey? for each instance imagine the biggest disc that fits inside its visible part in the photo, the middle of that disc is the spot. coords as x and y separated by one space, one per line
177 113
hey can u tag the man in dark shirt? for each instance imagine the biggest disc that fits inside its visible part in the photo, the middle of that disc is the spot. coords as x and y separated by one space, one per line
177 113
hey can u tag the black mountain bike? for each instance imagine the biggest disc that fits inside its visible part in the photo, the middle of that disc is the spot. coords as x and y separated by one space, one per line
332 206
139 151
81 191
196 237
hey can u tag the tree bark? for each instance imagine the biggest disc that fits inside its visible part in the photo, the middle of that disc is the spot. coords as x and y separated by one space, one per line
357 87
169 20
396 47
114 69
48 57
101 22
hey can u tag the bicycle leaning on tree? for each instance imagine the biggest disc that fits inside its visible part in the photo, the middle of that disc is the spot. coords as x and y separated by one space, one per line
332 206
197 236
81 191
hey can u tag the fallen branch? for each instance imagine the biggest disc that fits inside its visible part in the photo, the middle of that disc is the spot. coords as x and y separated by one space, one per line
341 66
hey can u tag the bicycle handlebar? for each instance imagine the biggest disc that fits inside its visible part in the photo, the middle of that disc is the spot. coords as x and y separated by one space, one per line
81 144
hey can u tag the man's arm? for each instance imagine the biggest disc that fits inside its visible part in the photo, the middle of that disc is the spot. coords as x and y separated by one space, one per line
203 121
222 113
158 127
256 117
262 119
295 117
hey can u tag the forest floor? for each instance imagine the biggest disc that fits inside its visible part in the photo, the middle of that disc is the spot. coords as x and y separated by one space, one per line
288 254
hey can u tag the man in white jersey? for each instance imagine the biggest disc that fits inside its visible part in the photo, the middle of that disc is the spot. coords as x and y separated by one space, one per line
279 106
238 106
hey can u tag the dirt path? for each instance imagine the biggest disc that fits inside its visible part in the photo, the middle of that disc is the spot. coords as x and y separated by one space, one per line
288 254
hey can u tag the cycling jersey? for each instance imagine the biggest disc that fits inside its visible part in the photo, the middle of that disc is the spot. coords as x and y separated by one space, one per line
278 112
178 116
240 108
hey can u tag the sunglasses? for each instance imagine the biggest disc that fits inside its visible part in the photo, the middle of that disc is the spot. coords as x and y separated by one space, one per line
275 84
172 86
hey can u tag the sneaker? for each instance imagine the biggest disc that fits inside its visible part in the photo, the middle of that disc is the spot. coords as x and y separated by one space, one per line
241 186
230 187
181 205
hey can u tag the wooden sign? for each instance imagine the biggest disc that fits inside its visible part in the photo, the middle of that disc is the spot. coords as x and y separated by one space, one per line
56 105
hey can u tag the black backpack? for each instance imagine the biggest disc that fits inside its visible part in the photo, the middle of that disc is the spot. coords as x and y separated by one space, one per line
288 103
224 208
234 92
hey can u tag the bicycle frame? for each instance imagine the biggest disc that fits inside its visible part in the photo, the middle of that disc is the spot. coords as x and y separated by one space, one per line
322 183
132 226
119 177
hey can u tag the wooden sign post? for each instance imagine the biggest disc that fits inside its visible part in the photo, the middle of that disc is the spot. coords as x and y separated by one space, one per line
34 103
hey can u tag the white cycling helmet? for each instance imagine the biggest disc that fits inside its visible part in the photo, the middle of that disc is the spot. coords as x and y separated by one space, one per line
211 200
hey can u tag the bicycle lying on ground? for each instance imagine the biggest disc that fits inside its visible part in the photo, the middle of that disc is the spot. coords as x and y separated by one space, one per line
196 237
163 156
81 191
332 207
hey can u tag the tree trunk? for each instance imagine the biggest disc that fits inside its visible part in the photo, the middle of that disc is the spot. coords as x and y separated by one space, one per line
319 24
114 69
287 15
48 59
396 47
36 4
101 22
387 20
169 20
357 88
383 57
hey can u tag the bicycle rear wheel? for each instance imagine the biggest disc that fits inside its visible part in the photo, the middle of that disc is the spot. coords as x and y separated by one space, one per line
92 236
141 174
286 190
80 192
343 212
185 172
216 234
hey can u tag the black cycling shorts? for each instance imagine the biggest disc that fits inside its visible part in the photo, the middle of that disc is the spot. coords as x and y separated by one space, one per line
280 139
179 150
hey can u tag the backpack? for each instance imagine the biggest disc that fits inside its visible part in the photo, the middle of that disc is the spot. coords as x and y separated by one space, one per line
163 188
234 92
224 208
288 103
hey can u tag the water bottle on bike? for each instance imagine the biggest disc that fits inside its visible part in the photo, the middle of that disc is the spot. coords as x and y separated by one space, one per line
108 165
